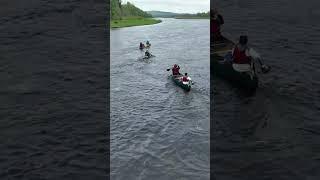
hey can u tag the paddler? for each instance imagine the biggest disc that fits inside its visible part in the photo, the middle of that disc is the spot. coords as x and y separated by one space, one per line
141 45
185 78
216 22
175 70
147 54
242 60
148 44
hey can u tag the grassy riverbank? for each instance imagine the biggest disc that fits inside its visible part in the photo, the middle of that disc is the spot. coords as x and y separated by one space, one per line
133 21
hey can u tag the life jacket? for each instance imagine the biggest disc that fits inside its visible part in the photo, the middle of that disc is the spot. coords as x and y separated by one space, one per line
215 26
240 57
175 71
185 79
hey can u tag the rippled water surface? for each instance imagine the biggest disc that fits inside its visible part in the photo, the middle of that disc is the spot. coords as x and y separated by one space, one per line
275 133
159 131
53 91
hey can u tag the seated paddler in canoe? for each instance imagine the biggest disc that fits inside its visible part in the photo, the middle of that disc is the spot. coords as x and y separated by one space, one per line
216 22
175 70
141 46
185 79
148 44
243 57
148 55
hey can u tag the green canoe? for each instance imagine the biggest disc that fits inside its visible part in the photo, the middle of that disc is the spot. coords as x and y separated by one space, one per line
224 69
177 80
148 57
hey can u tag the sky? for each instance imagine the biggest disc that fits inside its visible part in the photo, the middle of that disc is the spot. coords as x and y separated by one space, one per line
177 6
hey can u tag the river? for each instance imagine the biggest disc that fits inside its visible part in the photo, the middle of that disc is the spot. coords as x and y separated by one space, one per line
159 131
275 133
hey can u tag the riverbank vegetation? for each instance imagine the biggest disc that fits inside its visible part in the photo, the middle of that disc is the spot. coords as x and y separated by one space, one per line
163 14
203 15
126 15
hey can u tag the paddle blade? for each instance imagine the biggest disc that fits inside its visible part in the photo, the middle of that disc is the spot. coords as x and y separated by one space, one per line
265 68
254 53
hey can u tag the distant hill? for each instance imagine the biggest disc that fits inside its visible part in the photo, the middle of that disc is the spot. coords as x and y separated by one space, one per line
162 14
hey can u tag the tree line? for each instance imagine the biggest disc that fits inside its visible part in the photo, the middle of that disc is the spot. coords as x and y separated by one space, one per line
202 14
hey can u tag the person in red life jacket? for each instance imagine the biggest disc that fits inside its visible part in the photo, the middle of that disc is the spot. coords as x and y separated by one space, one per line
175 70
242 61
185 78
216 22
240 52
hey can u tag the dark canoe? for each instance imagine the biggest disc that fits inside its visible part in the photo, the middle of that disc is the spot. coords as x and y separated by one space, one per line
148 57
145 47
222 46
178 81
224 70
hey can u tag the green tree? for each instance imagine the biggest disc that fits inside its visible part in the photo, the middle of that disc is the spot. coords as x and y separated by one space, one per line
119 10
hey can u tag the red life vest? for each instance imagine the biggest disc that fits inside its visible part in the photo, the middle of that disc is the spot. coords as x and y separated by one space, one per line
185 79
240 57
175 71
215 27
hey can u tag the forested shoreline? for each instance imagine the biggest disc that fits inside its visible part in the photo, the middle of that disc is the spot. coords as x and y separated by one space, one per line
125 15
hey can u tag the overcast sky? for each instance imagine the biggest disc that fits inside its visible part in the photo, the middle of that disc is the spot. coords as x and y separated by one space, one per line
178 6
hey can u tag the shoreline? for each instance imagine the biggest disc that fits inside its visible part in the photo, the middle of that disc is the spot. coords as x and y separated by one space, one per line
191 17
130 22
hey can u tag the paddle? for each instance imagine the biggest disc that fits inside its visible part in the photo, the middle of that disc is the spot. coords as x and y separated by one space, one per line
255 55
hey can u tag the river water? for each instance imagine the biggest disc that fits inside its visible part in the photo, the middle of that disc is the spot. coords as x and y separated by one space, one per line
275 133
159 131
